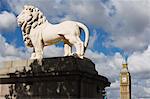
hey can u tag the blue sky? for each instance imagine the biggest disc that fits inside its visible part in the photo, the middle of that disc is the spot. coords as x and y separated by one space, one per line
118 28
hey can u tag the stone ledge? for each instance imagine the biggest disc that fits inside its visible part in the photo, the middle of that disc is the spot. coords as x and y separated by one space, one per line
48 65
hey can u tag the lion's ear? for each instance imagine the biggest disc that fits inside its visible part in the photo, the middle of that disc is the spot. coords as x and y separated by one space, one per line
25 6
36 9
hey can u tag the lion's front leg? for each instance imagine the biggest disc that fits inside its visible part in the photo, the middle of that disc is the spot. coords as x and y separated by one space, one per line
38 49
36 39
75 40
39 52
33 55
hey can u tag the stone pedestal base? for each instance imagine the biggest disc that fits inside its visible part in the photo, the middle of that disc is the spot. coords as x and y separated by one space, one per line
60 77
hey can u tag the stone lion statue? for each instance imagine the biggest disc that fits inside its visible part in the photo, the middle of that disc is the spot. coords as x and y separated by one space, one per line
38 32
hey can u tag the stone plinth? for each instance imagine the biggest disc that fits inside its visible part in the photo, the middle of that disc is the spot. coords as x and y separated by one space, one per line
59 77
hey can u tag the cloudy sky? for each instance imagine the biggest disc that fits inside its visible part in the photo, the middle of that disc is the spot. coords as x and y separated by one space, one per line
118 28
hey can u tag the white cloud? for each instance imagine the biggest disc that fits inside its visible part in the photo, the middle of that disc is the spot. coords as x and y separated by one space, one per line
53 51
10 52
92 39
113 92
130 24
7 22
139 61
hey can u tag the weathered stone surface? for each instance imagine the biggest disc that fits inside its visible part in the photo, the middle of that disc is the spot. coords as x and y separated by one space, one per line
4 89
13 66
59 77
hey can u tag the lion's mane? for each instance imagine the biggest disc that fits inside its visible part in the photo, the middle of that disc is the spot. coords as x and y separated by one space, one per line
37 18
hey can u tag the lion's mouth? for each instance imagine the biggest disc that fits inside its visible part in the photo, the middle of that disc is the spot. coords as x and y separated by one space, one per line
20 23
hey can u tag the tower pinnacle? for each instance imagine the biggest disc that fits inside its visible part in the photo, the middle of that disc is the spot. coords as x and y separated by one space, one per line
124 63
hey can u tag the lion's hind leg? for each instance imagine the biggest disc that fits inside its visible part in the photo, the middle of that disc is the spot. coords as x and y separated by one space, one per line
67 49
79 47
76 41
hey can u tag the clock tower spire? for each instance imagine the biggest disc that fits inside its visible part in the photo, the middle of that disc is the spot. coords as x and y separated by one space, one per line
125 82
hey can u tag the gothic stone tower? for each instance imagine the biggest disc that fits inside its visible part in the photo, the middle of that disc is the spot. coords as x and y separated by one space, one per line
125 82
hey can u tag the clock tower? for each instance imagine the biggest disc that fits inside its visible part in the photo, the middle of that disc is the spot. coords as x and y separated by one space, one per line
125 82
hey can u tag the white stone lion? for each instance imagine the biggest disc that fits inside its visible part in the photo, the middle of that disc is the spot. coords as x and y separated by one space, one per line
38 32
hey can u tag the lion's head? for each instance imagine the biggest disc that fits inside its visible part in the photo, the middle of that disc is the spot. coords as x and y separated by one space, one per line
25 15
30 13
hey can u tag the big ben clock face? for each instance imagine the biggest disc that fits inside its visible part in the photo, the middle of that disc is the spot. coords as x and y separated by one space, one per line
124 79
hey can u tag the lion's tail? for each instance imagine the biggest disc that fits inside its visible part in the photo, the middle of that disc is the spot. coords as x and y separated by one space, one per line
82 26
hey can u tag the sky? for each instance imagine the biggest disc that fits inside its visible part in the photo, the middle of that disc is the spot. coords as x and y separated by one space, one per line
118 29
